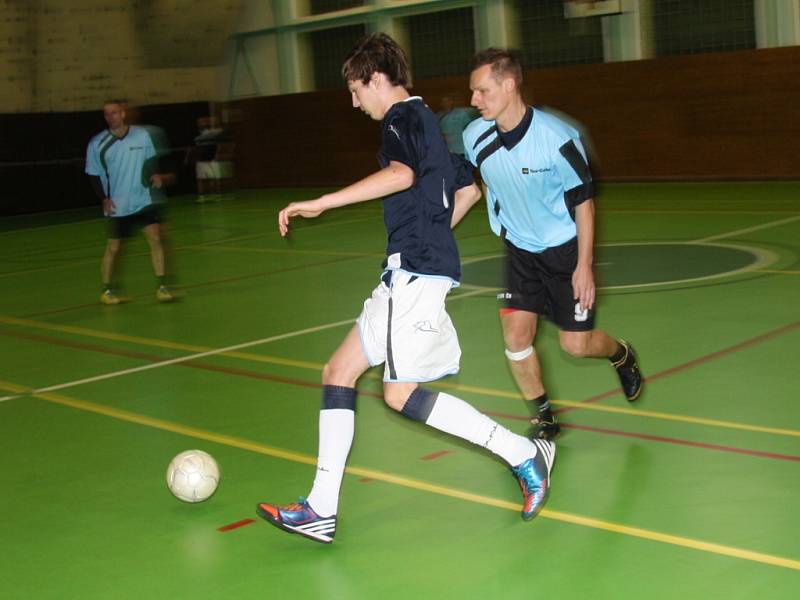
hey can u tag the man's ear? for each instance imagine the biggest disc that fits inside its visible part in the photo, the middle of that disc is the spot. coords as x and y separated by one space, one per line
375 79
509 85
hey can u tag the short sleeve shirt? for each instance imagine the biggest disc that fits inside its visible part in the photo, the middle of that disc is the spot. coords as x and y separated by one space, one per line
417 220
121 164
535 184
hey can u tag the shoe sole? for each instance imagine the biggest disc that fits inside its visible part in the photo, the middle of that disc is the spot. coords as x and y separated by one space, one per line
309 534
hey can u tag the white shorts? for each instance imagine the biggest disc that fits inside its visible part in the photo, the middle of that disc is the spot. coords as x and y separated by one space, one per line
406 326
213 169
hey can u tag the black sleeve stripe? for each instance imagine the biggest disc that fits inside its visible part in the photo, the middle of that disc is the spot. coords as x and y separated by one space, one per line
577 196
484 135
97 186
575 159
496 144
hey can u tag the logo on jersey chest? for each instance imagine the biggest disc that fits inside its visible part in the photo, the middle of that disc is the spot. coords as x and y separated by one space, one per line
530 171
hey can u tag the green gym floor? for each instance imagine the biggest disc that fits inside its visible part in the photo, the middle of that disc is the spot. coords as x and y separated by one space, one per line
691 492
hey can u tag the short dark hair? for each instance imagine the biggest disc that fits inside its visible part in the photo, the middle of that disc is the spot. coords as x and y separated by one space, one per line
120 101
505 63
377 53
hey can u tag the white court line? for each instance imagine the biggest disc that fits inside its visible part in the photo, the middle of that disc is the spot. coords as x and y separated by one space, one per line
188 357
760 260
181 359
746 230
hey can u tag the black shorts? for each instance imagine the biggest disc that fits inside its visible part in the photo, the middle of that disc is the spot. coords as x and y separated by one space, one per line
541 283
123 227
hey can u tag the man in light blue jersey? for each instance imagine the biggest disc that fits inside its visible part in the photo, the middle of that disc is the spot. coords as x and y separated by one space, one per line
540 197
122 164
453 120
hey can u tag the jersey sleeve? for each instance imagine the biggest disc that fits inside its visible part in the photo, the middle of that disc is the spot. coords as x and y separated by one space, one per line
401 142
573 168
93 166
463 171
469 151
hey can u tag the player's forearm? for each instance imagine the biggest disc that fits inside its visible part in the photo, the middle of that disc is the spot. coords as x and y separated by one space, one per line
584 221
389 180
465 199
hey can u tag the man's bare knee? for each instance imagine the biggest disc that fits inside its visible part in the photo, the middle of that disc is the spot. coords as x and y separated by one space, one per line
395 398
576 345
112 247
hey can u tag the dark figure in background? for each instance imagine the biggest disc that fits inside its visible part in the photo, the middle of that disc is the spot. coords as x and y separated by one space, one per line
213 154
453 120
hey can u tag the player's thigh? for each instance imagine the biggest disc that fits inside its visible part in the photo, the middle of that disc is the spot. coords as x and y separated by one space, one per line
347 363
423 343
524 281
565 310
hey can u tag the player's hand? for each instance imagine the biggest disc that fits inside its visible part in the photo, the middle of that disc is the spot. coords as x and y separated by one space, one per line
308 209
108 207
157 181
583 289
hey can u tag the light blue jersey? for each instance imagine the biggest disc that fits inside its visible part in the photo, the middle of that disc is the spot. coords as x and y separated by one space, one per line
535 185
124 166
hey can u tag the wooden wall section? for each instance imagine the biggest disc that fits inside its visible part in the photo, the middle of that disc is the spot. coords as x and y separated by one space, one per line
712 116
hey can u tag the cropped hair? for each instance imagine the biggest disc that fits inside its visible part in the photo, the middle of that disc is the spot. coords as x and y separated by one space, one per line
504 62
377 53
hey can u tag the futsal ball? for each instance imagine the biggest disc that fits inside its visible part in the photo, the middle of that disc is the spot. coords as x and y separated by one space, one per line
192 476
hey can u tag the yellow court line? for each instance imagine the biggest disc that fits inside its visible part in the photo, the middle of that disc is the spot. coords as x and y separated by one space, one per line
132 339
282 453
313 366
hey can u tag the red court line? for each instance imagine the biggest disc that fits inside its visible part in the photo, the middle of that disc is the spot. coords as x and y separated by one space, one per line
236 525
436 455
300 382
692 363
156 358
656 438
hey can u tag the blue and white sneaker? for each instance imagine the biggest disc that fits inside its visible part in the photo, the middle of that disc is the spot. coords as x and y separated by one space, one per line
534 478
299 518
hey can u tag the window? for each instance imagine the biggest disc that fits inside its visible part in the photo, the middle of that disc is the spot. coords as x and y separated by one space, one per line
550 39
693 26
329 49
442 43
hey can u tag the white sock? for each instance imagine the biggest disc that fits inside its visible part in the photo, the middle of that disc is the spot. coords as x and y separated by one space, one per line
456 417
336 430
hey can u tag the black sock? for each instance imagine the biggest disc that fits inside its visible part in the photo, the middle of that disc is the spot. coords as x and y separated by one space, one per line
540 407
162 280
620 354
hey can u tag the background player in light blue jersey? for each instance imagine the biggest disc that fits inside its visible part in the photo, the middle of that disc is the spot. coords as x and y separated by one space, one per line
540 197
404 324
453 120
122 163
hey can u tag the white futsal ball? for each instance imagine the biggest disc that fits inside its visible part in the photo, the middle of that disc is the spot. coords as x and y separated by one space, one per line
192 476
